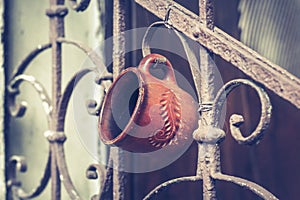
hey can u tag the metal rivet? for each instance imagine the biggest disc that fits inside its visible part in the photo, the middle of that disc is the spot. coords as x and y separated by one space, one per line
196 34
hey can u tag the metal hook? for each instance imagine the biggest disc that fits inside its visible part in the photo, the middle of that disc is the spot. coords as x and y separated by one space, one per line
167 17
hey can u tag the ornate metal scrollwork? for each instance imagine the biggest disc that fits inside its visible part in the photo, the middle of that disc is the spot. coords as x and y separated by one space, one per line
208 137
56 138
96 171
18 109
18 164
27 60
237 120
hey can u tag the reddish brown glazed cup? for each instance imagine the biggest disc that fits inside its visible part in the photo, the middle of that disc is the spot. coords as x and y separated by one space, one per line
144 113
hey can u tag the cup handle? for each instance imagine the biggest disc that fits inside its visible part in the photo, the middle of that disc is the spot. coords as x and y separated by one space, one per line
151 59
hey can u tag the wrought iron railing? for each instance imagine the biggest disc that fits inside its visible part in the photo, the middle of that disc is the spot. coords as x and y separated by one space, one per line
198 28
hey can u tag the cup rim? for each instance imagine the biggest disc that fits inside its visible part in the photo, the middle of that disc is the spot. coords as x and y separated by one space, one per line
141 94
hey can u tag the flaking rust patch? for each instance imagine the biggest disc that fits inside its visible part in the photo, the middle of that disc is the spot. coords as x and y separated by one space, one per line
171 113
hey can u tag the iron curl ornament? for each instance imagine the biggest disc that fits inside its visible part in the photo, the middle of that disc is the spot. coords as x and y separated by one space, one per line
56 138
209 138
209 135
55 107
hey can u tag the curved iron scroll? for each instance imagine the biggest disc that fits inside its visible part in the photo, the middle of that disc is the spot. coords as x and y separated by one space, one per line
237 120
166 184
56 158
255 188
56 139
18 163
96 171
18 109
56 167
209 138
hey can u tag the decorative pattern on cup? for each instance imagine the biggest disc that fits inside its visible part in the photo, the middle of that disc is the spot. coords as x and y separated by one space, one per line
171 114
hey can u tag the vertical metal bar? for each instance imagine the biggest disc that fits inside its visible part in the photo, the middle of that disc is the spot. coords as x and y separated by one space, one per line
55 181
206 13
56 30
208 154
118 65
2 117
119 37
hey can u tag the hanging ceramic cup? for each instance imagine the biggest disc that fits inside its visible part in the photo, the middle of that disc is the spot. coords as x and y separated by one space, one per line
143 112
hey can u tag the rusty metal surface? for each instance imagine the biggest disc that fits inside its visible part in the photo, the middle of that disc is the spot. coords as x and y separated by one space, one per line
118 65
255 188
206 95
200 28
167 184
210 106
210 136
55 13
247 60
119 36
55 106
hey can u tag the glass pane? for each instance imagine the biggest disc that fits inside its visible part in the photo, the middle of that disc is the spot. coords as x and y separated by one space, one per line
272 29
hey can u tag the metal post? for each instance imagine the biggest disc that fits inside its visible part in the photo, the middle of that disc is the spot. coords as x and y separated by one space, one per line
201 29
206 95
119 38
56 12
2 125
118 65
